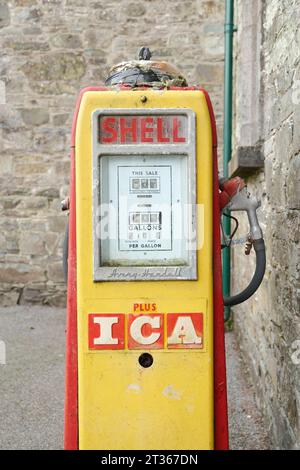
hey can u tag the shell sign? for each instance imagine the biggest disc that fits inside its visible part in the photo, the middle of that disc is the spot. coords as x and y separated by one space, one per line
146 331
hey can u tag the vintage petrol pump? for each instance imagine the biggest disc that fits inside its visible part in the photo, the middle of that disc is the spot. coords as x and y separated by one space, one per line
145 336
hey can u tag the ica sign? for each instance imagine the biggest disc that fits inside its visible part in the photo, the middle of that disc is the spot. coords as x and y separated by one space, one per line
146 331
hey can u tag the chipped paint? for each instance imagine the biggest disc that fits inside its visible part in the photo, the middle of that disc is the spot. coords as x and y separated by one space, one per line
170 392
135 388
190 408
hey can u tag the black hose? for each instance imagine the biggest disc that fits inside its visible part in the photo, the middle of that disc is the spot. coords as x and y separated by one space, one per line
260 251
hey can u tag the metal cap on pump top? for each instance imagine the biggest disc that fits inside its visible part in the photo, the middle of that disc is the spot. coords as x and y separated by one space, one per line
145 72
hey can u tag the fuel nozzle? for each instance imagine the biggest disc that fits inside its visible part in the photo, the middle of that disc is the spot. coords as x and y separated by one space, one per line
235 198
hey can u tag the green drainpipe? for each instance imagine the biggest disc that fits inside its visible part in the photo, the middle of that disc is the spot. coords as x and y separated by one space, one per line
227 142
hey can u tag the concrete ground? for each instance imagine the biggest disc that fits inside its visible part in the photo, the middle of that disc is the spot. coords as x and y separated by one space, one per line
247 430
32 384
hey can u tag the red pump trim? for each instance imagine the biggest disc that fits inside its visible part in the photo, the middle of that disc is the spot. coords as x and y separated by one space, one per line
71 390
71 402
220 386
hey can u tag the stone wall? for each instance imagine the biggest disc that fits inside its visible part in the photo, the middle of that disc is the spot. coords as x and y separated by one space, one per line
269 324
49 50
